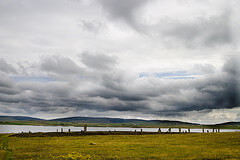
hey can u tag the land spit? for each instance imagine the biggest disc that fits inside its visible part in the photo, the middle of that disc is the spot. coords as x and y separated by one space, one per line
61 134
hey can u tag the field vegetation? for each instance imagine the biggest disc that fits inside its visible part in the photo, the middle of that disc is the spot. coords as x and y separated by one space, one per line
211 146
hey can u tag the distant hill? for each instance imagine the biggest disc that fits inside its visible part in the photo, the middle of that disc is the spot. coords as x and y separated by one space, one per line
229 123
104 121
119 120
96 120
19 118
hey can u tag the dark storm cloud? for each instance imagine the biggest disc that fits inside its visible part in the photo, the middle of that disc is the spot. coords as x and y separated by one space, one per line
123 95
116 90
232 67
221 92
7 86
8 91
218 90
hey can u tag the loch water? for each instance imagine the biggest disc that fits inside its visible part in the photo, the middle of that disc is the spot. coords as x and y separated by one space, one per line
27 128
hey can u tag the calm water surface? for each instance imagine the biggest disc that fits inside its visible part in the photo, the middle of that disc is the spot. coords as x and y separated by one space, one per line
27 128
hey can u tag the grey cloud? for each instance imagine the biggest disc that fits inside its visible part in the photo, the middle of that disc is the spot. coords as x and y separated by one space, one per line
200 32
59 65
5 67
203 69
98 61
92 26
124 9
5 81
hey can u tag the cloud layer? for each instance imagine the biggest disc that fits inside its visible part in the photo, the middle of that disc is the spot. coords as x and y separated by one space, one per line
102 87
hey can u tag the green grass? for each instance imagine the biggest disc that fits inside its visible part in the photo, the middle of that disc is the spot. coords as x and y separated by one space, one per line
212 146
5 153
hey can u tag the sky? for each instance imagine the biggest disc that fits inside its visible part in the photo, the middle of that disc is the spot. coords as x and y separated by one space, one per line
148 59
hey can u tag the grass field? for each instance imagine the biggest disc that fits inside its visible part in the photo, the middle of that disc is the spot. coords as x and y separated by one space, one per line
211 146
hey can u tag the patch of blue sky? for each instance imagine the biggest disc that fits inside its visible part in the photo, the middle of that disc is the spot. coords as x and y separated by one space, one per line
143 75
32 79
179 78
169 75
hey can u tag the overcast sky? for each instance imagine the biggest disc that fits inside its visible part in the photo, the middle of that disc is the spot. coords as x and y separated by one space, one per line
150 59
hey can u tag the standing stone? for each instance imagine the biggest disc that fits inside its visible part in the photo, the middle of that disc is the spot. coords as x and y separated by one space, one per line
141 130
189 130
159 130
203 130
169 130
179 130
213 130
69 130
218 130
85 128
61 129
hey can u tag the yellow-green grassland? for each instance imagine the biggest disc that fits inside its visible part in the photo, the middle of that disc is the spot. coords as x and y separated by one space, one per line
209 146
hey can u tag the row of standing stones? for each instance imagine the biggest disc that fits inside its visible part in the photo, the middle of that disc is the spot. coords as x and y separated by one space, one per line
159 130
